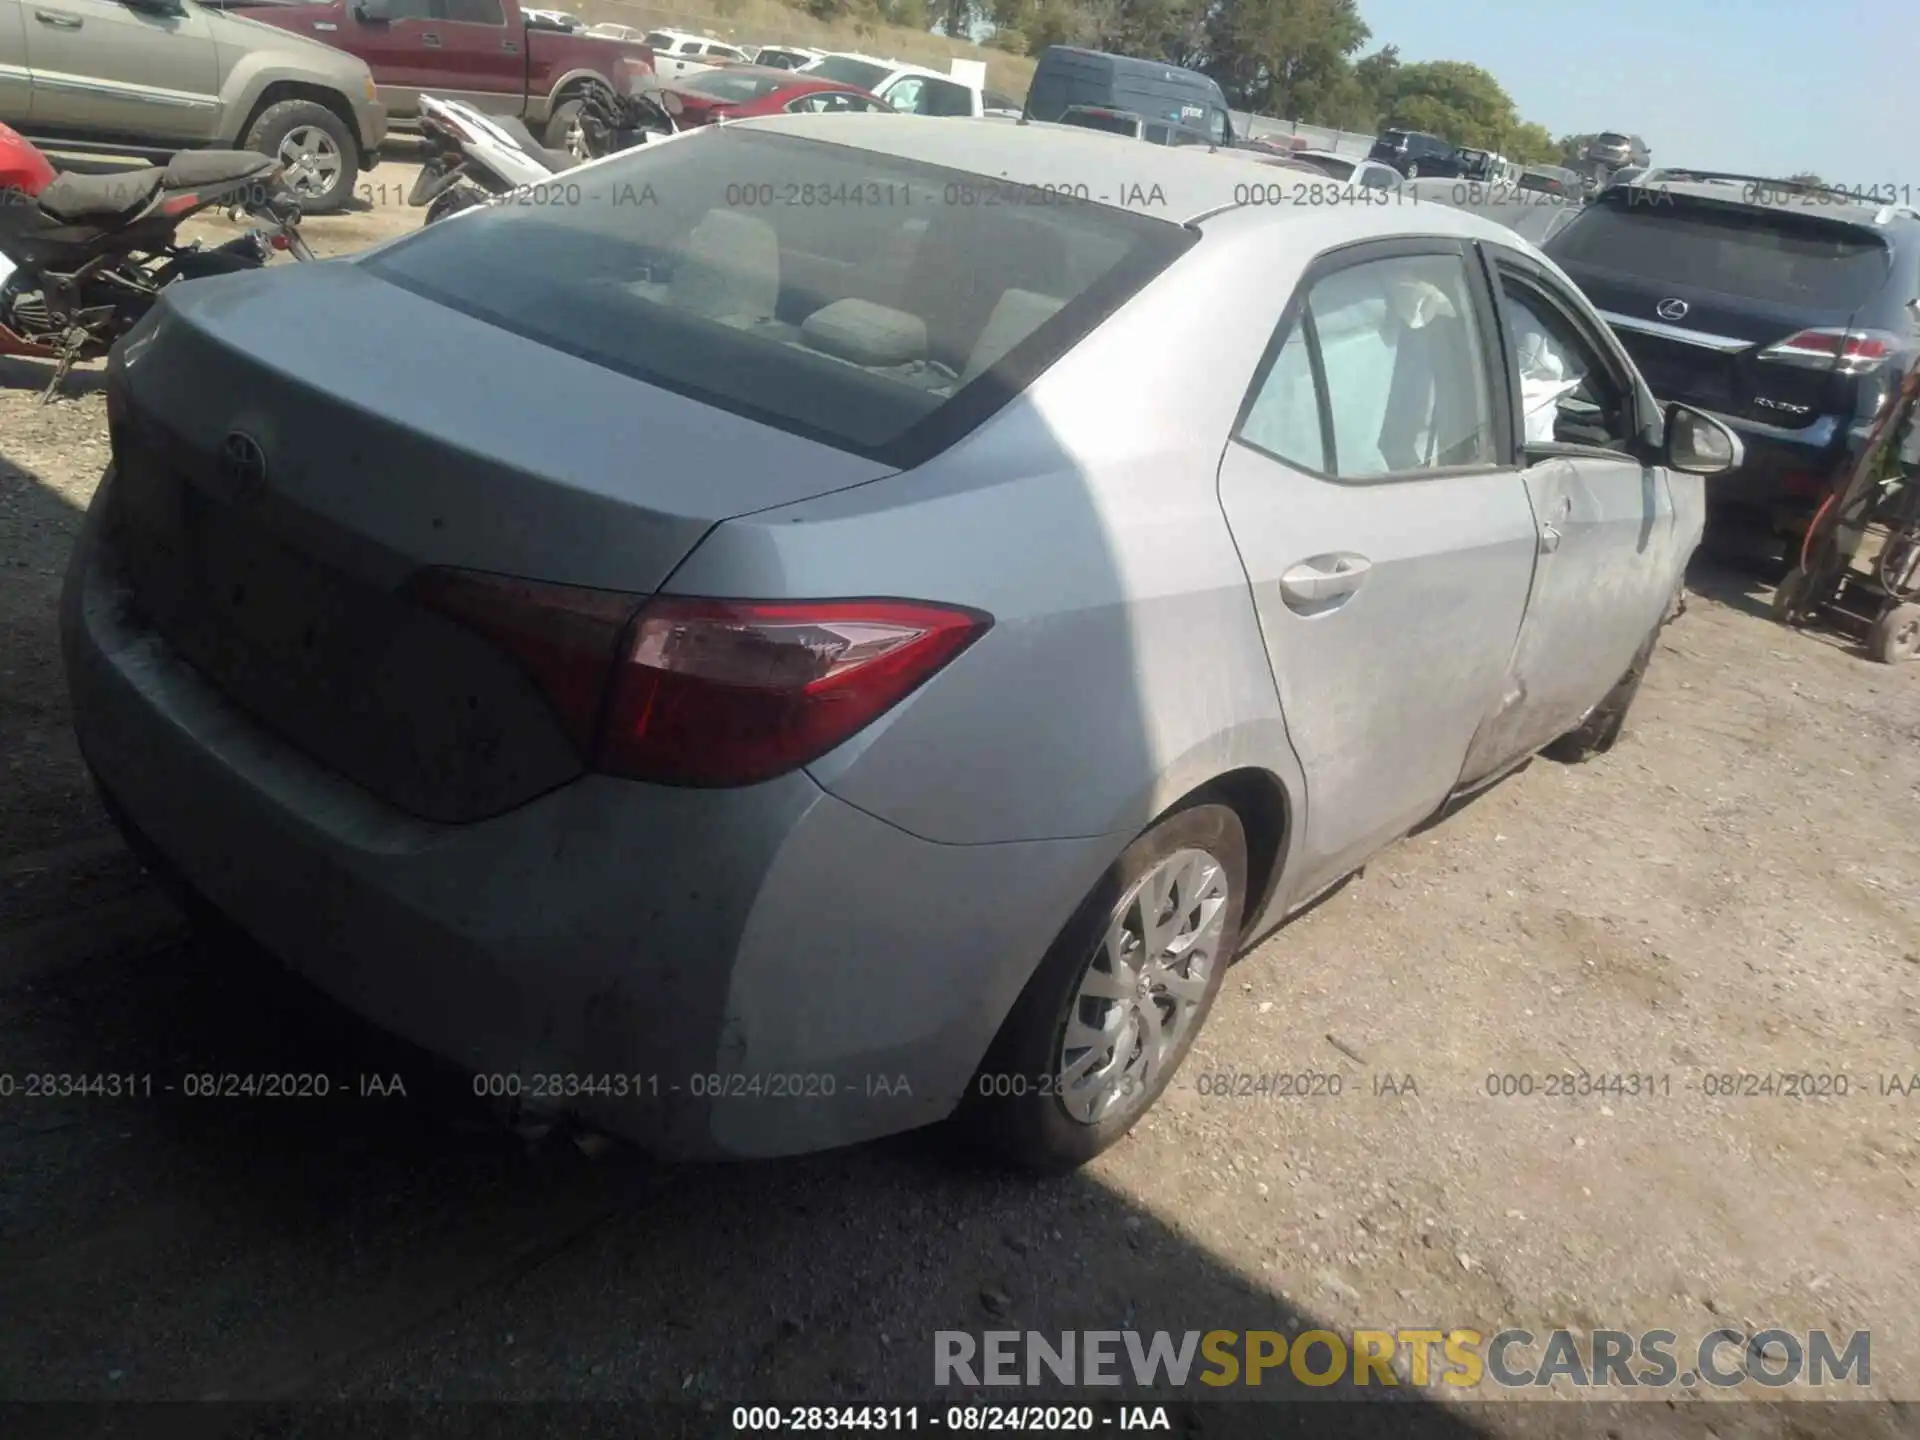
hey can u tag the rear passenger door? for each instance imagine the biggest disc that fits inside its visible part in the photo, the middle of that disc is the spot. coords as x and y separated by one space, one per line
1604 516
1371 490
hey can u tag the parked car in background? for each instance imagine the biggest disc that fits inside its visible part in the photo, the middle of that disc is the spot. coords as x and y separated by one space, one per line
1368 174
1613 149
1000 106
740 91
785 57
627 34
910 89
677 53
1782 309
1531 214
1554 180
555 19
1626 176
1066 76
1414 153
170 75
549 761
1130 126
483 52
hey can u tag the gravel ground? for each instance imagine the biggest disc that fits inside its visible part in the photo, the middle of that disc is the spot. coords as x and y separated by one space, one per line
1735 888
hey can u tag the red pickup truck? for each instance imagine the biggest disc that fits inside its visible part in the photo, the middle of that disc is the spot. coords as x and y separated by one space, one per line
488 53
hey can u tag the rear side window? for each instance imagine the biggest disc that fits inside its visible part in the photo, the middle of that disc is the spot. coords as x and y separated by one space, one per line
657 41
476 12
1750 252
887 328
1402 373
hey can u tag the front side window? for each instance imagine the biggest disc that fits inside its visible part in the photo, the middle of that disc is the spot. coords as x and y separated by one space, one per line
1403 365
1568 394
866 326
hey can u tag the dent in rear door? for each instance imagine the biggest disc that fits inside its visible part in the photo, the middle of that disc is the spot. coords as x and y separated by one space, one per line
1388 605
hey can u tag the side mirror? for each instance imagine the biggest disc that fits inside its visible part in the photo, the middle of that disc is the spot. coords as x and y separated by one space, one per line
374 12
1698 444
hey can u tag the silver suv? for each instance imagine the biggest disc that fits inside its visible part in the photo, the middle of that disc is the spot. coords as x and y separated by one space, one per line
143 75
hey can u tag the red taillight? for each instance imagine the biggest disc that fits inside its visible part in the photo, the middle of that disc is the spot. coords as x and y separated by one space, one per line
1849 352
179 205
706 692
722 692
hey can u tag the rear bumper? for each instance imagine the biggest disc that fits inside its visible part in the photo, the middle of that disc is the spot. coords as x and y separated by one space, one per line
1787 473
718 973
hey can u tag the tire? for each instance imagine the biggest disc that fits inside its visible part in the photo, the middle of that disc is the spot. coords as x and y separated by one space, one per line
1895 636
1045 1123
1788 596
1601 728
1413 171
320 153
560 124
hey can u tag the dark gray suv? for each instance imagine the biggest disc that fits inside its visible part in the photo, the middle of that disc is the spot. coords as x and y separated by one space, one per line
1414 153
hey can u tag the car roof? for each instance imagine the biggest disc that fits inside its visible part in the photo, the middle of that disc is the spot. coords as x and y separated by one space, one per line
1193 181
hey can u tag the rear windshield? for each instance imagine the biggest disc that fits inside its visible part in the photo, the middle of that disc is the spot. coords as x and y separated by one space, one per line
887 321
1794 259
658 41
861 74
733 86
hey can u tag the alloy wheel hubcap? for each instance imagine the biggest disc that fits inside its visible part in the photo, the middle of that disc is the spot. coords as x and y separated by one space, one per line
1906 640
311 159
1143 986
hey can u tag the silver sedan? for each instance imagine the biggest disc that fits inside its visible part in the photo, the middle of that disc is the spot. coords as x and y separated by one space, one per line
830 624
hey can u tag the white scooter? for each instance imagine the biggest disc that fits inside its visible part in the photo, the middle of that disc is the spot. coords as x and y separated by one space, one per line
476 157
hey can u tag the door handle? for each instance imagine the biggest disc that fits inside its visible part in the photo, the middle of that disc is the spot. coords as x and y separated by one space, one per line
510 47
1323 578
428 38
59 19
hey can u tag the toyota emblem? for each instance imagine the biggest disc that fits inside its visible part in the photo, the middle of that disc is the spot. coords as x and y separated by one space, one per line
1671 309
243 465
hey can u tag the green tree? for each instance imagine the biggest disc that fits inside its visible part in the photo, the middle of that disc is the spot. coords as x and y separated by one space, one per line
1572 149
1290 58
1455 100
1530 144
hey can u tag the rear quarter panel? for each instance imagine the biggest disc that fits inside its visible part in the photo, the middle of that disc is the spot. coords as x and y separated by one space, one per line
556 61
1126 666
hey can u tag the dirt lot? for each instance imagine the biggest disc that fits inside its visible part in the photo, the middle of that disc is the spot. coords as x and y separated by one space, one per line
1735 888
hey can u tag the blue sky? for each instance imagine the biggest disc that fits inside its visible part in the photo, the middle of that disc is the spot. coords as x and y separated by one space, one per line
1757 86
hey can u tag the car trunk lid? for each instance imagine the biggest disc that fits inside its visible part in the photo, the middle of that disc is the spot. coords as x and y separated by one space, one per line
293 448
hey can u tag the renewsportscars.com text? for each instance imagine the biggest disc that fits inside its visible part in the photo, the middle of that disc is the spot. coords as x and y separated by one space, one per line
1506 1359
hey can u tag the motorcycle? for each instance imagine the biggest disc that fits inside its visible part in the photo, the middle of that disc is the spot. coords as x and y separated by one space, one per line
475 157
84 257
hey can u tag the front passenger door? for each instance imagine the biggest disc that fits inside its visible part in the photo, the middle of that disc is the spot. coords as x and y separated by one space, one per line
1605 517
1371 491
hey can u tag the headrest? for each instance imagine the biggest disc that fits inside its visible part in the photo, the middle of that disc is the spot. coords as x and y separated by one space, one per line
863 333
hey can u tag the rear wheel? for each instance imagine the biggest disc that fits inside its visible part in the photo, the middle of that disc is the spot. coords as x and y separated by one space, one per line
1116 1004
1413 170
316 149
1895 636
